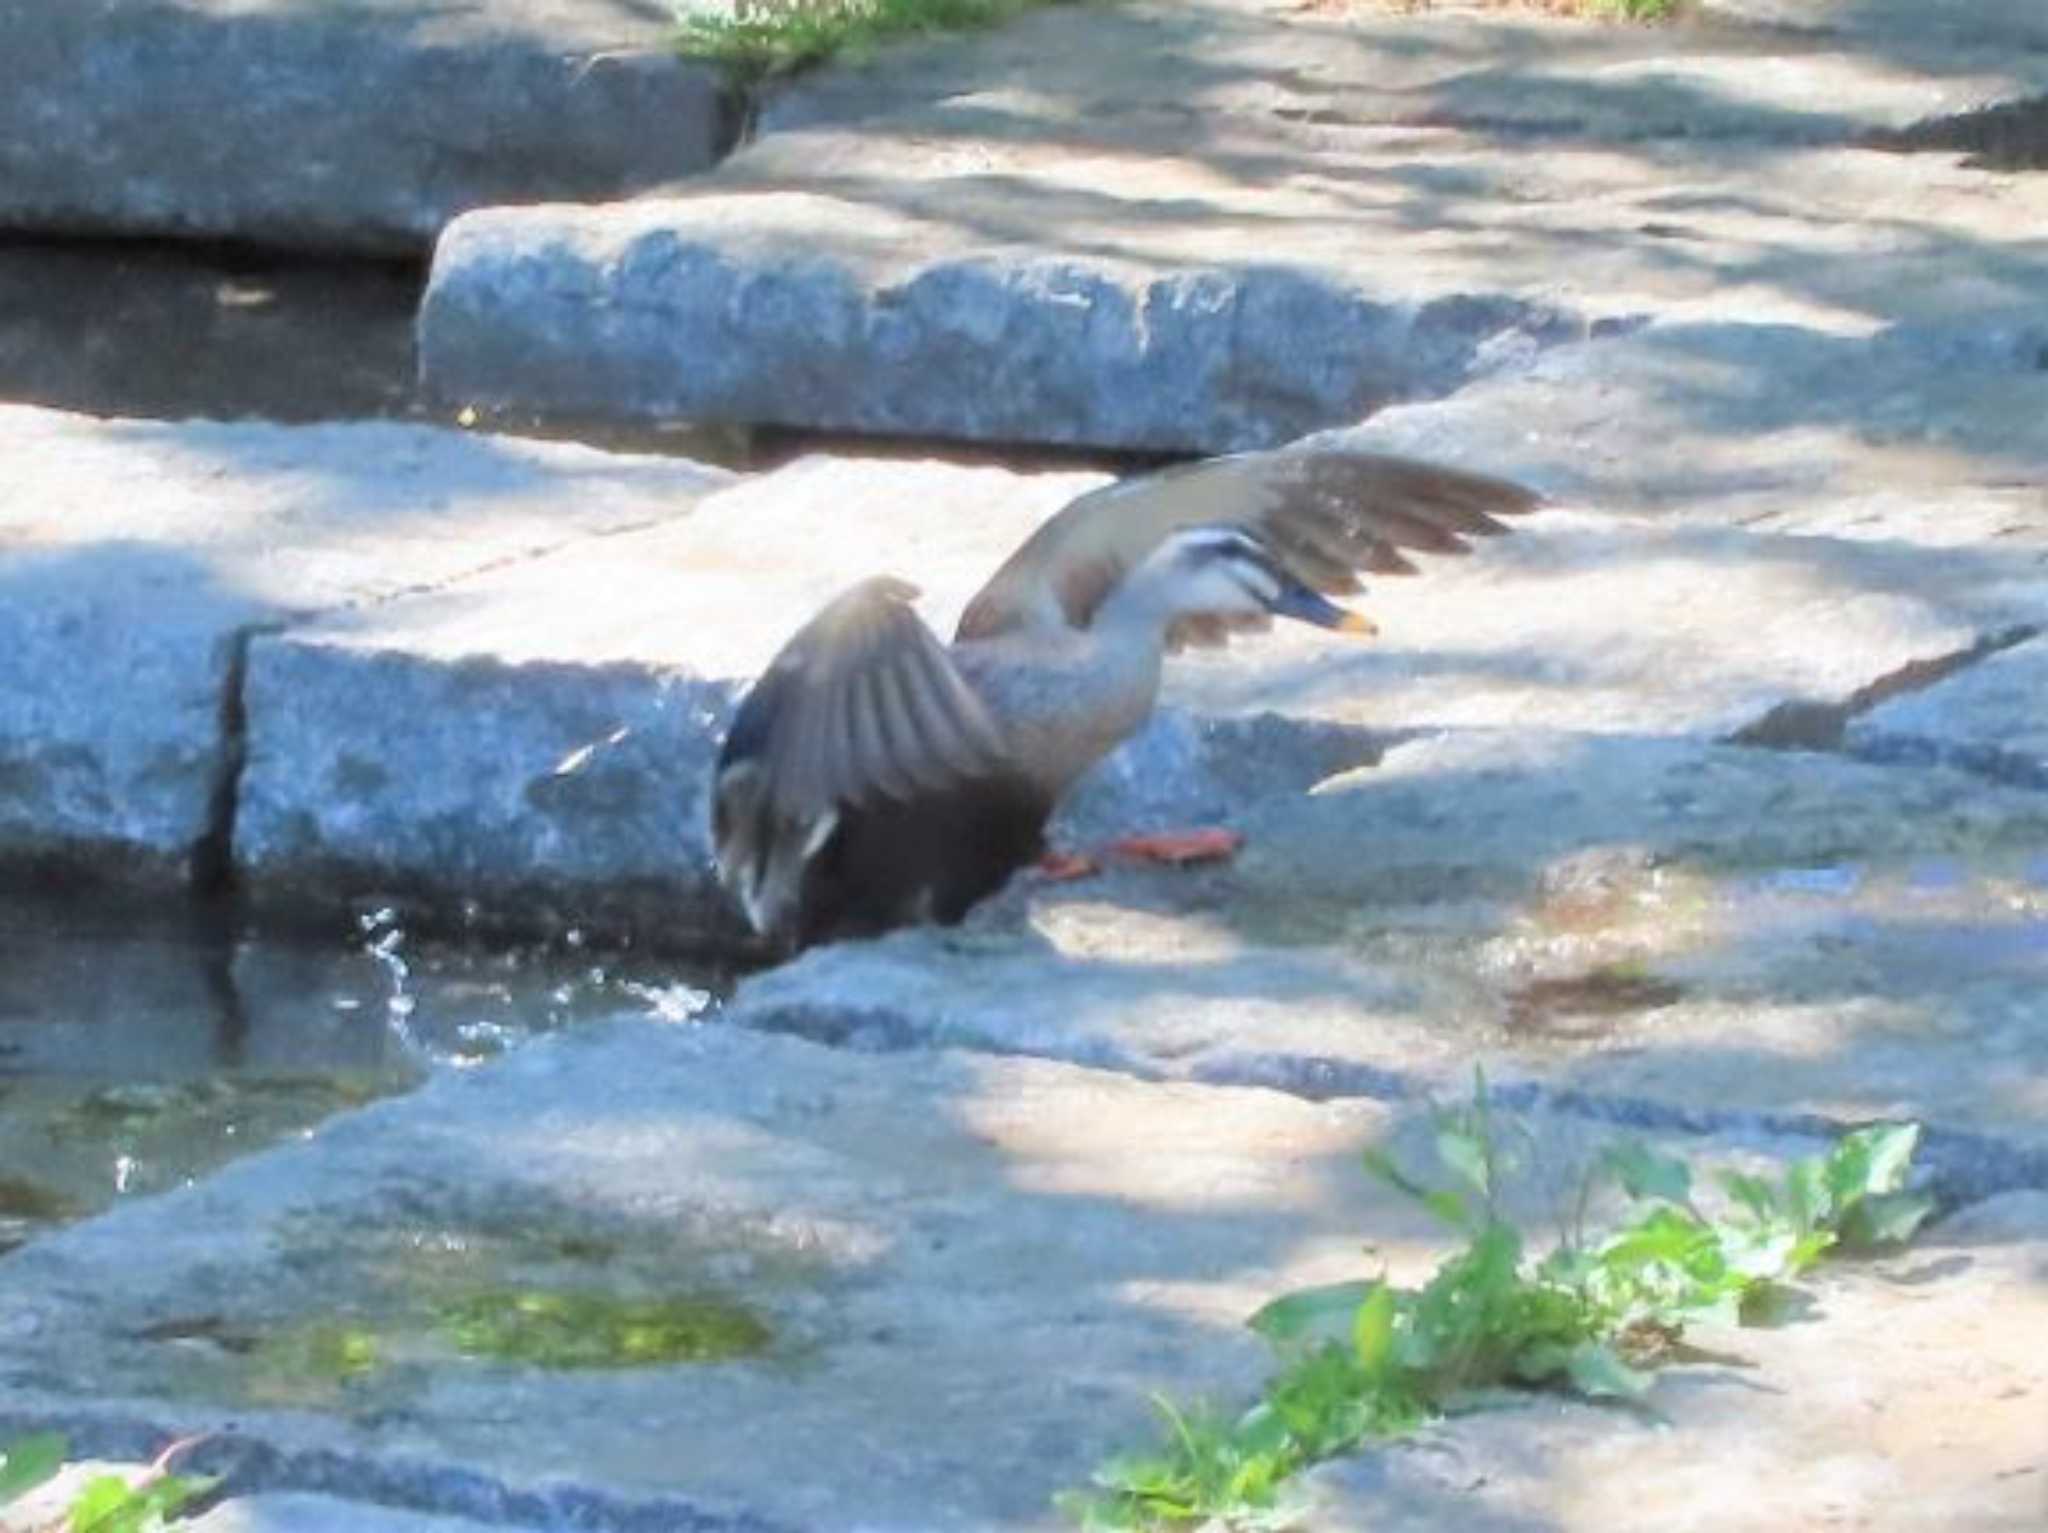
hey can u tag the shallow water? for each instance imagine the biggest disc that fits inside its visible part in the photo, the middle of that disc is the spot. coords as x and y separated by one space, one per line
142 1049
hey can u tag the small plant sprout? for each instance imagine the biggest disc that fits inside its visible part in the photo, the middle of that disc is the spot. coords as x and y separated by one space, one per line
1366 1360
763 38
106 1503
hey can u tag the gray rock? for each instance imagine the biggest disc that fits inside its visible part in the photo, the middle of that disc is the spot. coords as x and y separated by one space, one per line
137 558
1506 71
931 245
367 125
789 309
1992 718
973 1269
1898 26
546 795
1929 432
969 269
1658 931
963 1262
289 1513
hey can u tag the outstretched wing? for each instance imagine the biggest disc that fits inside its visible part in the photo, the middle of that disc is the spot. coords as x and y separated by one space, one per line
864 702
1328 513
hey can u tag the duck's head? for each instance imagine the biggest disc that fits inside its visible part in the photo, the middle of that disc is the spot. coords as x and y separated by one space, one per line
1226 573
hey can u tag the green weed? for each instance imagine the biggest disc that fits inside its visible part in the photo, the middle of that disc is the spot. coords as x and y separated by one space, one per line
782 36
107 1503
1635 10
1366 1360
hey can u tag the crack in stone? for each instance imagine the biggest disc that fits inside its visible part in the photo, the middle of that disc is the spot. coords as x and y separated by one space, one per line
1807 724
493 566
210 862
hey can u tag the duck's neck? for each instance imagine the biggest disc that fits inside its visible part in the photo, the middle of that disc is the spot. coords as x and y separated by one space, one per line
1066 698
1134 618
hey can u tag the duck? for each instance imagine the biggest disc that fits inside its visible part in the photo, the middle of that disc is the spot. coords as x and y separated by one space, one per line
875 777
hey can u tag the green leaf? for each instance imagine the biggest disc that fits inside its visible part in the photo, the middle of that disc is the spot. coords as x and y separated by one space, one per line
1372 1331
97 1506
1755 1194
1312 1313
29 1462
1662 1235
1808 1202
1450 1208
1891 1156
1597 1373
1380 1166
1884 1220
1645 1174
1261 1431
1465 1153
1773 1253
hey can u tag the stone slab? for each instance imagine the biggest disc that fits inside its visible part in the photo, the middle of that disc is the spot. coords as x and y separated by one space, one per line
1899 25
556 719
1933 433
1992 718
974 1270
1283 222
287 1513
1807 73
135 558
1651 928
365 126
1939 1423
973 271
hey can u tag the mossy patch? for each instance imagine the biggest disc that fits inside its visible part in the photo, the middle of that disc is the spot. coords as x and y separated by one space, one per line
316 1364
584 1329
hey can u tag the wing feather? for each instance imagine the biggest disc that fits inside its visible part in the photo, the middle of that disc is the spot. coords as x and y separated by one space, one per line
864 703
1328 512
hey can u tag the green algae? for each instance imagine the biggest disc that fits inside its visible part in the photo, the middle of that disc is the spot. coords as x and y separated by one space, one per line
316 1364
573 1329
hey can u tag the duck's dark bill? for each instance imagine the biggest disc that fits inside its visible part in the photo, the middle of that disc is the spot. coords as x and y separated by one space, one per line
1299 602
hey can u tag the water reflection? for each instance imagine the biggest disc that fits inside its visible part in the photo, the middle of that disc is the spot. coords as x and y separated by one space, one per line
142 1048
